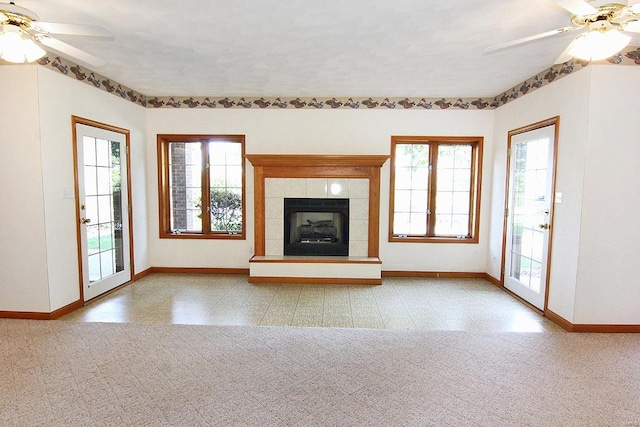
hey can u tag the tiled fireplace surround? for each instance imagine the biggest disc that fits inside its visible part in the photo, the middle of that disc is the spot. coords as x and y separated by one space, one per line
354 189
356 178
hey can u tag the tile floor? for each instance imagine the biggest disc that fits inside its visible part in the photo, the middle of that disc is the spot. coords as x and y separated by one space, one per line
399 303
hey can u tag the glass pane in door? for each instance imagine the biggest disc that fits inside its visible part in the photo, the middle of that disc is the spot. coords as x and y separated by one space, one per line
529 206
103 202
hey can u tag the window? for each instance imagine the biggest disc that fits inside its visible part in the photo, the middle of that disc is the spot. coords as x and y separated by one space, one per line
435 189
201 181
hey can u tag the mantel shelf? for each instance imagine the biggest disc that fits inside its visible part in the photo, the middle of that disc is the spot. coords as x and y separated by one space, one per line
312 160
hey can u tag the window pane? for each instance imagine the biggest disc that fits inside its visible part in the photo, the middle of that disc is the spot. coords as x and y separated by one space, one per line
402 201
107 263
445 179
411 193
106 236
94 267
234 176
89 150
104 180
188 219
460 225
225 177
401 223
93 239
420 178
225 153
419 201
446 156
443 225
103 152
403 155
104 209
418 225
462 179
444 202
185 186
226 210
91 208
412 155
462 156
453 193
90 183
403 178
460 202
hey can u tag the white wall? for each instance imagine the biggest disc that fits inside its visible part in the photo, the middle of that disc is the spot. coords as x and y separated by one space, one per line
60 98
319 132
23 256
608 289
593 277
569 99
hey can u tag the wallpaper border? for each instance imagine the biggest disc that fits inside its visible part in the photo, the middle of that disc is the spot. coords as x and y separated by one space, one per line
629 56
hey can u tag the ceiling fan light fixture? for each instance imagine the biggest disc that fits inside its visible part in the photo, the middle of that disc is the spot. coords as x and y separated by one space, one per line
14 47
32 52
598 44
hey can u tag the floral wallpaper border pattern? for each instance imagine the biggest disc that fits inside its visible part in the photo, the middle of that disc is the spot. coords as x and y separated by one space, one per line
629 56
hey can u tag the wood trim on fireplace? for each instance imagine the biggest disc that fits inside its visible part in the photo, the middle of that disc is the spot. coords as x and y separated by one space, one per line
317 166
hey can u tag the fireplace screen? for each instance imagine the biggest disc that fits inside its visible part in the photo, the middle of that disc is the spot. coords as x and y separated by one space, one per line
316 227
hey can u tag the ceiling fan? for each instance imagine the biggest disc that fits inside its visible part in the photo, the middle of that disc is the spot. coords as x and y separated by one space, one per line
605 23
21 35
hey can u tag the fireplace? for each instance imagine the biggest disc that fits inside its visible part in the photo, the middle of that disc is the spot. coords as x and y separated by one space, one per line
317 227
282 176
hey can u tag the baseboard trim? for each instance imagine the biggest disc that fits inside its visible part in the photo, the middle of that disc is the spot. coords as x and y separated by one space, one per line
559 320
491 279
591 328
315 280
34 315
607 329
433 274
197 270
143 273
56 314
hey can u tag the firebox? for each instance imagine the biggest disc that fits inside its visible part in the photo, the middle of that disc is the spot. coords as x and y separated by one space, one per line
316 227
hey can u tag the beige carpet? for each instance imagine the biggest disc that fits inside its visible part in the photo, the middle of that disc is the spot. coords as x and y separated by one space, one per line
56 373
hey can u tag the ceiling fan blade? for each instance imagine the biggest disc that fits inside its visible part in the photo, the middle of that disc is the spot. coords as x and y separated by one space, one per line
516 42
576 7
632 26
12 8
72 29
68 50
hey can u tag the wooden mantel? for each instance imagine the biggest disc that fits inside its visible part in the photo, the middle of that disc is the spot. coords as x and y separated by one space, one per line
314 160
317 166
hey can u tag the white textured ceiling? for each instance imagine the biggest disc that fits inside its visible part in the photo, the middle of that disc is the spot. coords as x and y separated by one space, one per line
414 48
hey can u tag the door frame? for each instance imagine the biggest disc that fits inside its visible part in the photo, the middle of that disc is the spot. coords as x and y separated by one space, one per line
553 121
76 120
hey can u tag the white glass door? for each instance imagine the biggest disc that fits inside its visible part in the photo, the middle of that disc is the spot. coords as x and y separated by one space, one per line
529 211
103 206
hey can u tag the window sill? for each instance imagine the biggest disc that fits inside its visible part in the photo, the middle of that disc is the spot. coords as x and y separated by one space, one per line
197 236
423 239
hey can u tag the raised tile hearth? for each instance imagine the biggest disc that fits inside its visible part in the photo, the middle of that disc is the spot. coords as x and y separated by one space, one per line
280 177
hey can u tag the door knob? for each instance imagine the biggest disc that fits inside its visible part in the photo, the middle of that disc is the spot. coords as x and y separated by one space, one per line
85 220
545 226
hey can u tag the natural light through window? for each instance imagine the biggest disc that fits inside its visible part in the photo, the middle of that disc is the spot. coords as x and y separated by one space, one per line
202 186
435 188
